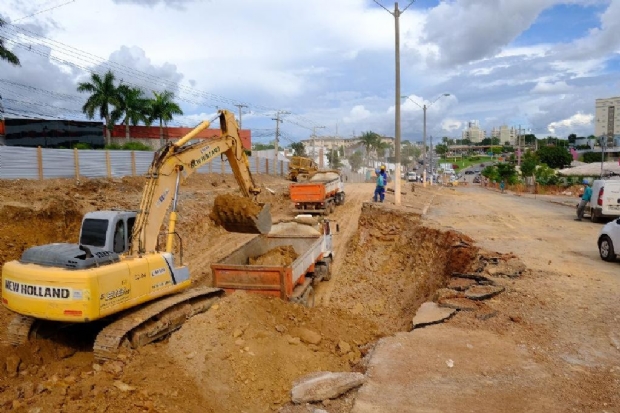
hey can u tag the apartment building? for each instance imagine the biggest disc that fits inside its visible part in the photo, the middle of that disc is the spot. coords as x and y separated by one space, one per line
607 122
505 134
473 132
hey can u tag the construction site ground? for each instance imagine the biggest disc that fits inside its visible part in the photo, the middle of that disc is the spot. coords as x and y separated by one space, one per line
549 342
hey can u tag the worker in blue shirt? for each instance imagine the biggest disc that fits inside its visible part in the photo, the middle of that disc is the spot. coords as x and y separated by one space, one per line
382 180
585 198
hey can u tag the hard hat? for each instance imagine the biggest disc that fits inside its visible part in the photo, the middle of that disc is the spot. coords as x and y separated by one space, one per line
383 167
585 182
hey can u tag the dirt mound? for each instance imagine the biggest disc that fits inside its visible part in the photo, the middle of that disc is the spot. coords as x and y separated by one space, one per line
249 349
394 264
282 256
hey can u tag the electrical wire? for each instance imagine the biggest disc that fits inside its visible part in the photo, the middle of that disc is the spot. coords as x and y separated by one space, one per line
43 11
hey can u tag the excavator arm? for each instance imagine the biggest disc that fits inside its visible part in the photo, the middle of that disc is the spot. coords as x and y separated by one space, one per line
179 159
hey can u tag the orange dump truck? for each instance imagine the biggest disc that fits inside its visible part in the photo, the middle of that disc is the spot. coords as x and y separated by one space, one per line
319 195
312 244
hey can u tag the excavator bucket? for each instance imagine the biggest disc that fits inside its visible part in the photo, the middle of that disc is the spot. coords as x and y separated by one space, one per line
240 214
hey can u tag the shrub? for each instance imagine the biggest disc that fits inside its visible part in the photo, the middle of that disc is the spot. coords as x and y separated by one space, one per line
591 157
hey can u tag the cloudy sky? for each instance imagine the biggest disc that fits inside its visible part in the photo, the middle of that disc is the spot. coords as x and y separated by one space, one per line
539 64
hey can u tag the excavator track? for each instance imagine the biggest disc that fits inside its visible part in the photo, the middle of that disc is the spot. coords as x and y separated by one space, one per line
148 323
18 330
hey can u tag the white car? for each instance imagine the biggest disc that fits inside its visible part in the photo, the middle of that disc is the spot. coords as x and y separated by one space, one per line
609 240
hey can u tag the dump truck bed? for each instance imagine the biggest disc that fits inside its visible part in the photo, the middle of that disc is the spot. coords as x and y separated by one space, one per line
235 273
314 191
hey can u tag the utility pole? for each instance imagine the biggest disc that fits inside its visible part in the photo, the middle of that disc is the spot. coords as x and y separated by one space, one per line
397 13
519 146
241 113
314 128
431 159
278 120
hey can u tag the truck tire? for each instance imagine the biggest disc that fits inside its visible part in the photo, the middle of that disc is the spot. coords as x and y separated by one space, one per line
308 298
328 270
606 249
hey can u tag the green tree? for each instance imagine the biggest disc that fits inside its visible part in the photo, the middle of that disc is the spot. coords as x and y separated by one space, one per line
163 108
441 149
591 157
356 160
334 159
133 106
103 94
572 138
370 140
554 156
546 175
6 54
299 149
490 172
263 146
381 148
529 163
507 173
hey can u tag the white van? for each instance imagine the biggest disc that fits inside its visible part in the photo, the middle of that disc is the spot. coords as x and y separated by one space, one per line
412 176
605 201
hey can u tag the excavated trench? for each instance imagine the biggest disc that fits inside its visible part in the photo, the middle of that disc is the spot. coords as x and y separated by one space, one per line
394 263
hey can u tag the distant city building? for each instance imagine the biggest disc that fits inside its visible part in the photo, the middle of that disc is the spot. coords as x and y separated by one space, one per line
607 117
473 132
505 134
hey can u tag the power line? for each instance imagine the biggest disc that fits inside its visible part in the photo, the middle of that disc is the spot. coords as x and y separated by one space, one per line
88 58
43 11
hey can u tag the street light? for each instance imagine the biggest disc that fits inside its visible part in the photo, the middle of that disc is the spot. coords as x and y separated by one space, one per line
424 135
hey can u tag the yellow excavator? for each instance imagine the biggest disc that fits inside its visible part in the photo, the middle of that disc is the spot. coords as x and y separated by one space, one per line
117 271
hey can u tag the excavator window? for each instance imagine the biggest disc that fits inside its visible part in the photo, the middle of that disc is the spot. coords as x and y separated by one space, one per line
119 237
94 232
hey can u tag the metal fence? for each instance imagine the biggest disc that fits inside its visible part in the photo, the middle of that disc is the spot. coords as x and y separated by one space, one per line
40 163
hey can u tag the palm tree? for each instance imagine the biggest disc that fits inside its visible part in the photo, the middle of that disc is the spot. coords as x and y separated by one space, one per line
163 108
133 105
370 140
103 94
6 54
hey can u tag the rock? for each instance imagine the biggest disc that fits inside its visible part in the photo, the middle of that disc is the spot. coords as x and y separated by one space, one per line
113 367
16 404
430 313
239 342
483 292
191 355
63 352
280 328
237 333
445 293
35 410
41 388
12 365
293 340
28 390
324 385
124 387
344 347
319 411
309 336
96 367
358 308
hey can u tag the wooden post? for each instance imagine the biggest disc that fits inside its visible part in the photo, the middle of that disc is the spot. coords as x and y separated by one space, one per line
133 163
257 165
223 166
40 162
108 164
76 163
281 168
210 167
267 166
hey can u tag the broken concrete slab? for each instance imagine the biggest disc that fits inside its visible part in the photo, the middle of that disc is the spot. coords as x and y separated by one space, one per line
461 284
483 292
409 372
324 385
480 279
430 313
459 303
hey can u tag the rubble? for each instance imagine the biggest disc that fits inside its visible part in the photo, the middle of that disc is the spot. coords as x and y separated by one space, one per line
324 385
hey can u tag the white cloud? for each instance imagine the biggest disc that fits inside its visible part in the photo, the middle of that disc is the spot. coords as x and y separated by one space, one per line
578 120
557 87
357 114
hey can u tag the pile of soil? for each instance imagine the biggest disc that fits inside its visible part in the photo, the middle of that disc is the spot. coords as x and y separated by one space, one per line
282 256
248 349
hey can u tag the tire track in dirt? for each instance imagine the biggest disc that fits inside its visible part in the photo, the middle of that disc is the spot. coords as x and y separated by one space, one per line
347 217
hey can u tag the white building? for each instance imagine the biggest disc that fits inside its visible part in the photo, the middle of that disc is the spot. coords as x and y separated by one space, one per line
607 117
505 134
473 132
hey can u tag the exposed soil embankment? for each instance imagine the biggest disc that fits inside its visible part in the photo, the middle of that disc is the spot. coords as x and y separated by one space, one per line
394 264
